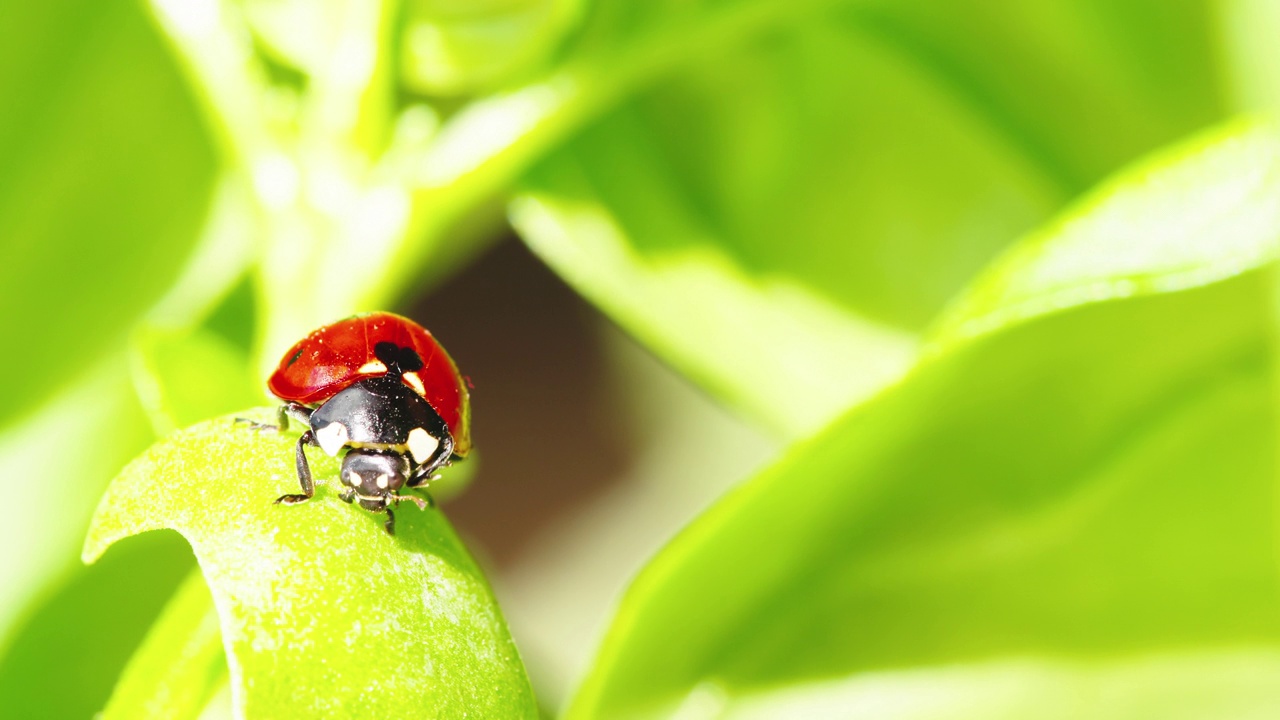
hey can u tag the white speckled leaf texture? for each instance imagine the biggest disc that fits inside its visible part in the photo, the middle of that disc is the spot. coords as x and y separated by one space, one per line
323 614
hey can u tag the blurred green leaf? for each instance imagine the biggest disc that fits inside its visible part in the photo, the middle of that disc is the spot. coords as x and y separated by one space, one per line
184 376
1080 87
1202 211
297 33
1084 488
71 645
90 430
1236 683
180 665
106 175
325 614
1253 72
95 426
463 46
189 356
782 215
213 280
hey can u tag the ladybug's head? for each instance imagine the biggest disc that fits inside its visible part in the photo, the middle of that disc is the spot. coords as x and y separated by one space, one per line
374 472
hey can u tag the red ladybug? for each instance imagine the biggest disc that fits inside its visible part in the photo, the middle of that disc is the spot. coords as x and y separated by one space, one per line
381 386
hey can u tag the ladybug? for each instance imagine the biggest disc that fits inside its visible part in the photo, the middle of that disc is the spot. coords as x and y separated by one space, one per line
380 386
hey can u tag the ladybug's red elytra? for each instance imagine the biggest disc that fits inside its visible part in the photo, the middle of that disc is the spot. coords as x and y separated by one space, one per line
380 386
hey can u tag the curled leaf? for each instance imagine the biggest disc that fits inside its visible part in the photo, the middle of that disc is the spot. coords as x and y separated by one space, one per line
323 614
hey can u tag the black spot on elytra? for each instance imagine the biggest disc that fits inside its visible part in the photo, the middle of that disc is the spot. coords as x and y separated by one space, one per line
294 359
398 359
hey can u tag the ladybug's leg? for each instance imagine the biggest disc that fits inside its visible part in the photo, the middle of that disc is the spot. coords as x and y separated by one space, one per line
419 479
294 410
422 504
255 425
304 472
390 524
348 495
423 474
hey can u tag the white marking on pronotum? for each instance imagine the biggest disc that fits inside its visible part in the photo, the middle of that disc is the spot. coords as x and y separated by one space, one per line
421 445
415 382
382 481
371 367
332 437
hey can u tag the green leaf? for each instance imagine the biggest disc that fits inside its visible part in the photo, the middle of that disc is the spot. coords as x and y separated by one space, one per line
1141 233
276 23
1080 87
1249 58
184 376
1227 683
325 614
107 173
1082 492
823 177
685 193
180 665
452 46
66 654
92 428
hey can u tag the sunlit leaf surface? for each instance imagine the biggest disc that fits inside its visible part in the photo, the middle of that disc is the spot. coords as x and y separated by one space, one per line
1082 495
105 173
1236 683
1054 502
450 47
324 614
783 214
1199 212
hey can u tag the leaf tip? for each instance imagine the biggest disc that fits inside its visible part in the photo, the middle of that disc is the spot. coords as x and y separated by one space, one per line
102 533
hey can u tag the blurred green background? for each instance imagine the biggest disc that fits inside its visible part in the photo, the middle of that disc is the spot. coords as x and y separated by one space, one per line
833 358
